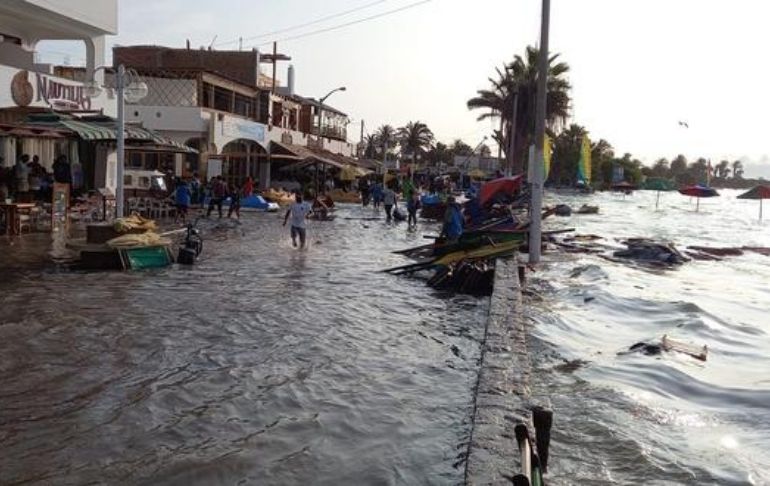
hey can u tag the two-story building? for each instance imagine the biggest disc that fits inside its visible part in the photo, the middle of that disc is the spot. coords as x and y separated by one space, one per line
220 103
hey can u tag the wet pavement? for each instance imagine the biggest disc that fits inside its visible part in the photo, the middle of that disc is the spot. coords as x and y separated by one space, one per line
259 365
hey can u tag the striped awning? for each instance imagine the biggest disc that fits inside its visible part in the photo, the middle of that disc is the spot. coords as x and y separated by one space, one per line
104 129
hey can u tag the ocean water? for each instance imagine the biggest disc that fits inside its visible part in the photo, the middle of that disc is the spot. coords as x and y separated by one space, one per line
666 419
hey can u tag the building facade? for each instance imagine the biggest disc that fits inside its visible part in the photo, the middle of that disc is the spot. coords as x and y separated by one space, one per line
220 103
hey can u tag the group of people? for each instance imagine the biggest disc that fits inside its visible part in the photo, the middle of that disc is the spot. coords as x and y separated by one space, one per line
188 193
29 180
385 195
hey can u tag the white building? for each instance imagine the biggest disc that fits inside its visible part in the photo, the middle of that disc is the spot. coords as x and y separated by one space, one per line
28 87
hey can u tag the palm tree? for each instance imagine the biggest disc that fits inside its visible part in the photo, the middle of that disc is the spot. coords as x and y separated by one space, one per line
737 169
371 146
520 77
386 139
723 169
415 138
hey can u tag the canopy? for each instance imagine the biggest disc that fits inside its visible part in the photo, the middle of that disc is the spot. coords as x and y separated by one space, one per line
698 191
623 186
103 128
758 192
658 184
350 173
503 186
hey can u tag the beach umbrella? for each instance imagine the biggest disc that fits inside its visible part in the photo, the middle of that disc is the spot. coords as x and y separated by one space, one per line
657 185
758 192
698 191
624 187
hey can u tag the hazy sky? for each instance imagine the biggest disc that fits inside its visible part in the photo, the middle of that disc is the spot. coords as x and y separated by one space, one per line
638 66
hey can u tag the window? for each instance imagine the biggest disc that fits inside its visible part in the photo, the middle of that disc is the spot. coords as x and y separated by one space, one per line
135 160
127 180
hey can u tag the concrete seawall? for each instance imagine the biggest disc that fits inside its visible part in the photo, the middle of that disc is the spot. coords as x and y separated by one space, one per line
503 390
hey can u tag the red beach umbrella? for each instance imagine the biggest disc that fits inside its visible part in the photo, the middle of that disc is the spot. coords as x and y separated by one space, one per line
758 192
698 191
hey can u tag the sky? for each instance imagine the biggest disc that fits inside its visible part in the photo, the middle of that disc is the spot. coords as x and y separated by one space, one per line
638 67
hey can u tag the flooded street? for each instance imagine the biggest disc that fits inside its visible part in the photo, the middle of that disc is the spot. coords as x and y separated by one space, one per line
267 365
260 365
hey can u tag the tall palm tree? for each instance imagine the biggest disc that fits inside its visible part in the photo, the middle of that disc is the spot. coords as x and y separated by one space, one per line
520 77
386 138
415 138
371 146
737 169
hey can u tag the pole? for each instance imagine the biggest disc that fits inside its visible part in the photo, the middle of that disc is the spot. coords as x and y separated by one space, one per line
512 137
535 238
121 140
657 200
361 143
275 57
321 123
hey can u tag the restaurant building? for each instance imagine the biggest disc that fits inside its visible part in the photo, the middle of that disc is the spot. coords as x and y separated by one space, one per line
237 118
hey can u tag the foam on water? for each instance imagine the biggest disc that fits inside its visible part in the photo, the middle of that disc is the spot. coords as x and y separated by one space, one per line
630 418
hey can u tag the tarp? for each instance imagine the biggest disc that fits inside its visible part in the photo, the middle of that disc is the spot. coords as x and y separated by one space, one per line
503 186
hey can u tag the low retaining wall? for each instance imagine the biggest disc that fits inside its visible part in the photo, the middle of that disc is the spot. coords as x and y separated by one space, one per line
502 391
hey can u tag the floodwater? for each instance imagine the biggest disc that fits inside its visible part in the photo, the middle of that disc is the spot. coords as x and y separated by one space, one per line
267 365
669 419
260 365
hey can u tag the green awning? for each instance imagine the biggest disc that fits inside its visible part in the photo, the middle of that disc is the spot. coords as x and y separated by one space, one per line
104 129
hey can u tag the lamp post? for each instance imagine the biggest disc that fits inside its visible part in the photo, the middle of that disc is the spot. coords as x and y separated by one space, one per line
321 112
320 129
536 205
132 92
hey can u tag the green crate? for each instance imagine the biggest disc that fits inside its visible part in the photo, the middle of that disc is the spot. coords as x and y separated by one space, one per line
147 257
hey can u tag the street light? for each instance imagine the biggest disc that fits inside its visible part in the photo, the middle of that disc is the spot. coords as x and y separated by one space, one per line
321 112
133 92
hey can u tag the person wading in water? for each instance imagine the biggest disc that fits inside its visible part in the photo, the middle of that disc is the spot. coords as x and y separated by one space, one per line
298 211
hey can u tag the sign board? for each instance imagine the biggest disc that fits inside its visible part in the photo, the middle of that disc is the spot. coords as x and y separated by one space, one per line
228 129
214 168
23 88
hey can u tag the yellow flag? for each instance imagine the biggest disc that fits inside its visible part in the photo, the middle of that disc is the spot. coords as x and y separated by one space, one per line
547 149
584 165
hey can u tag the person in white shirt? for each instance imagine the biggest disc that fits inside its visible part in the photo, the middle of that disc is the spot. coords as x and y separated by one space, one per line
389 201
298 211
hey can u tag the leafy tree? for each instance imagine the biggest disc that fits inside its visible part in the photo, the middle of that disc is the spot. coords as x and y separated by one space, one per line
415 138
566 154
440 154
518 80
461 148
661 168
602 154
678 168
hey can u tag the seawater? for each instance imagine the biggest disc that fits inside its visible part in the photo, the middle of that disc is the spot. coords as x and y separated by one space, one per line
668 419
